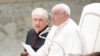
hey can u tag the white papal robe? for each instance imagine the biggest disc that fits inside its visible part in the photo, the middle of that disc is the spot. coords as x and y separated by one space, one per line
68 36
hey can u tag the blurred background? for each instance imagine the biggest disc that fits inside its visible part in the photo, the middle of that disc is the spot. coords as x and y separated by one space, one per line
15 20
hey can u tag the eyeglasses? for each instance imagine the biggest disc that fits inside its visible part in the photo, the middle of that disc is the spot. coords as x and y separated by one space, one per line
57 14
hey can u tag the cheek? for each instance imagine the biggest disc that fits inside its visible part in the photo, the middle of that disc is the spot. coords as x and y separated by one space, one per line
55 20
43 25
52 17
33 24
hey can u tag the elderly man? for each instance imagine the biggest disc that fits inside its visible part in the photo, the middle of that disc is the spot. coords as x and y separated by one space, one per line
64 38
40 29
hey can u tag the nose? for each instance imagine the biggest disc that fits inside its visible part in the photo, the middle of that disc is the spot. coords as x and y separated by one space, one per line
52 17
37 22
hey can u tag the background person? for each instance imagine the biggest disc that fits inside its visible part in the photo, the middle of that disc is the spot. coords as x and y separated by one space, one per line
39 24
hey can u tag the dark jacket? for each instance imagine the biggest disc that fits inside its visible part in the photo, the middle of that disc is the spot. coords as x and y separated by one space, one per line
39 42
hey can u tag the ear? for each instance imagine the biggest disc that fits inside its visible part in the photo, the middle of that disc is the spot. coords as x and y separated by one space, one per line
66 15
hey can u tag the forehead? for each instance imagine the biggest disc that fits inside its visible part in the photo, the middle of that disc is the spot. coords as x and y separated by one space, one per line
56 9
39 16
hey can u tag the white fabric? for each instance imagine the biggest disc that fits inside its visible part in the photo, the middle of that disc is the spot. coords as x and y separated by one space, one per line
67 9
68 36
90 25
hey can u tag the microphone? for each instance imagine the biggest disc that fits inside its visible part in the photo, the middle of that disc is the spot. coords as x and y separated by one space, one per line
47 30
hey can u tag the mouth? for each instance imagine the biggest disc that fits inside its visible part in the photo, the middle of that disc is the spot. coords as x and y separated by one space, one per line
37 26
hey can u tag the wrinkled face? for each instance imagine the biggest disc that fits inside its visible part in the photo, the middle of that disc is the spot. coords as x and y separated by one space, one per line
39 22
58 17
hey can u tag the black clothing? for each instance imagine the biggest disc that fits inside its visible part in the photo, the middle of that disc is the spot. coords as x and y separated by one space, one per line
34 40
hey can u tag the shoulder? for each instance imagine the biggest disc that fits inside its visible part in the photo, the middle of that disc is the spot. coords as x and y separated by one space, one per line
71 25
31 31
45 32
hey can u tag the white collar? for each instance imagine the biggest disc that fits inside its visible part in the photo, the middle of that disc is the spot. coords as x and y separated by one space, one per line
65 22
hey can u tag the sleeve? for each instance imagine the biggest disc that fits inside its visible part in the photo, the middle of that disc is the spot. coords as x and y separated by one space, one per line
27 37
44 50
78 46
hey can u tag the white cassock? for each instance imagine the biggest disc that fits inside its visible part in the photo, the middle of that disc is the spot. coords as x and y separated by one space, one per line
68 36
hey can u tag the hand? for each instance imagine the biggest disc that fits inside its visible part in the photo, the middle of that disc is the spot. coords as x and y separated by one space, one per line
24 53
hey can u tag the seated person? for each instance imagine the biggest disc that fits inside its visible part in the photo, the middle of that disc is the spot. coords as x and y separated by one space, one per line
40 28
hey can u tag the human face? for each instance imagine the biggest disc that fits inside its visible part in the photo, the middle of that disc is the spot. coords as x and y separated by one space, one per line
39 22
58 17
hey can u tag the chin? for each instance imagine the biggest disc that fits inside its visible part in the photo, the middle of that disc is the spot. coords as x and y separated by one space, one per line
56 24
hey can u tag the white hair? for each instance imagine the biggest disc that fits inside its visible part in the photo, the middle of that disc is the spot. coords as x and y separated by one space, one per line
40 11
64 8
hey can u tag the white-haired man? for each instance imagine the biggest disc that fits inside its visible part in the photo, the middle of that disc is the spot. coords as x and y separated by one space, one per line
40 28
64 38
